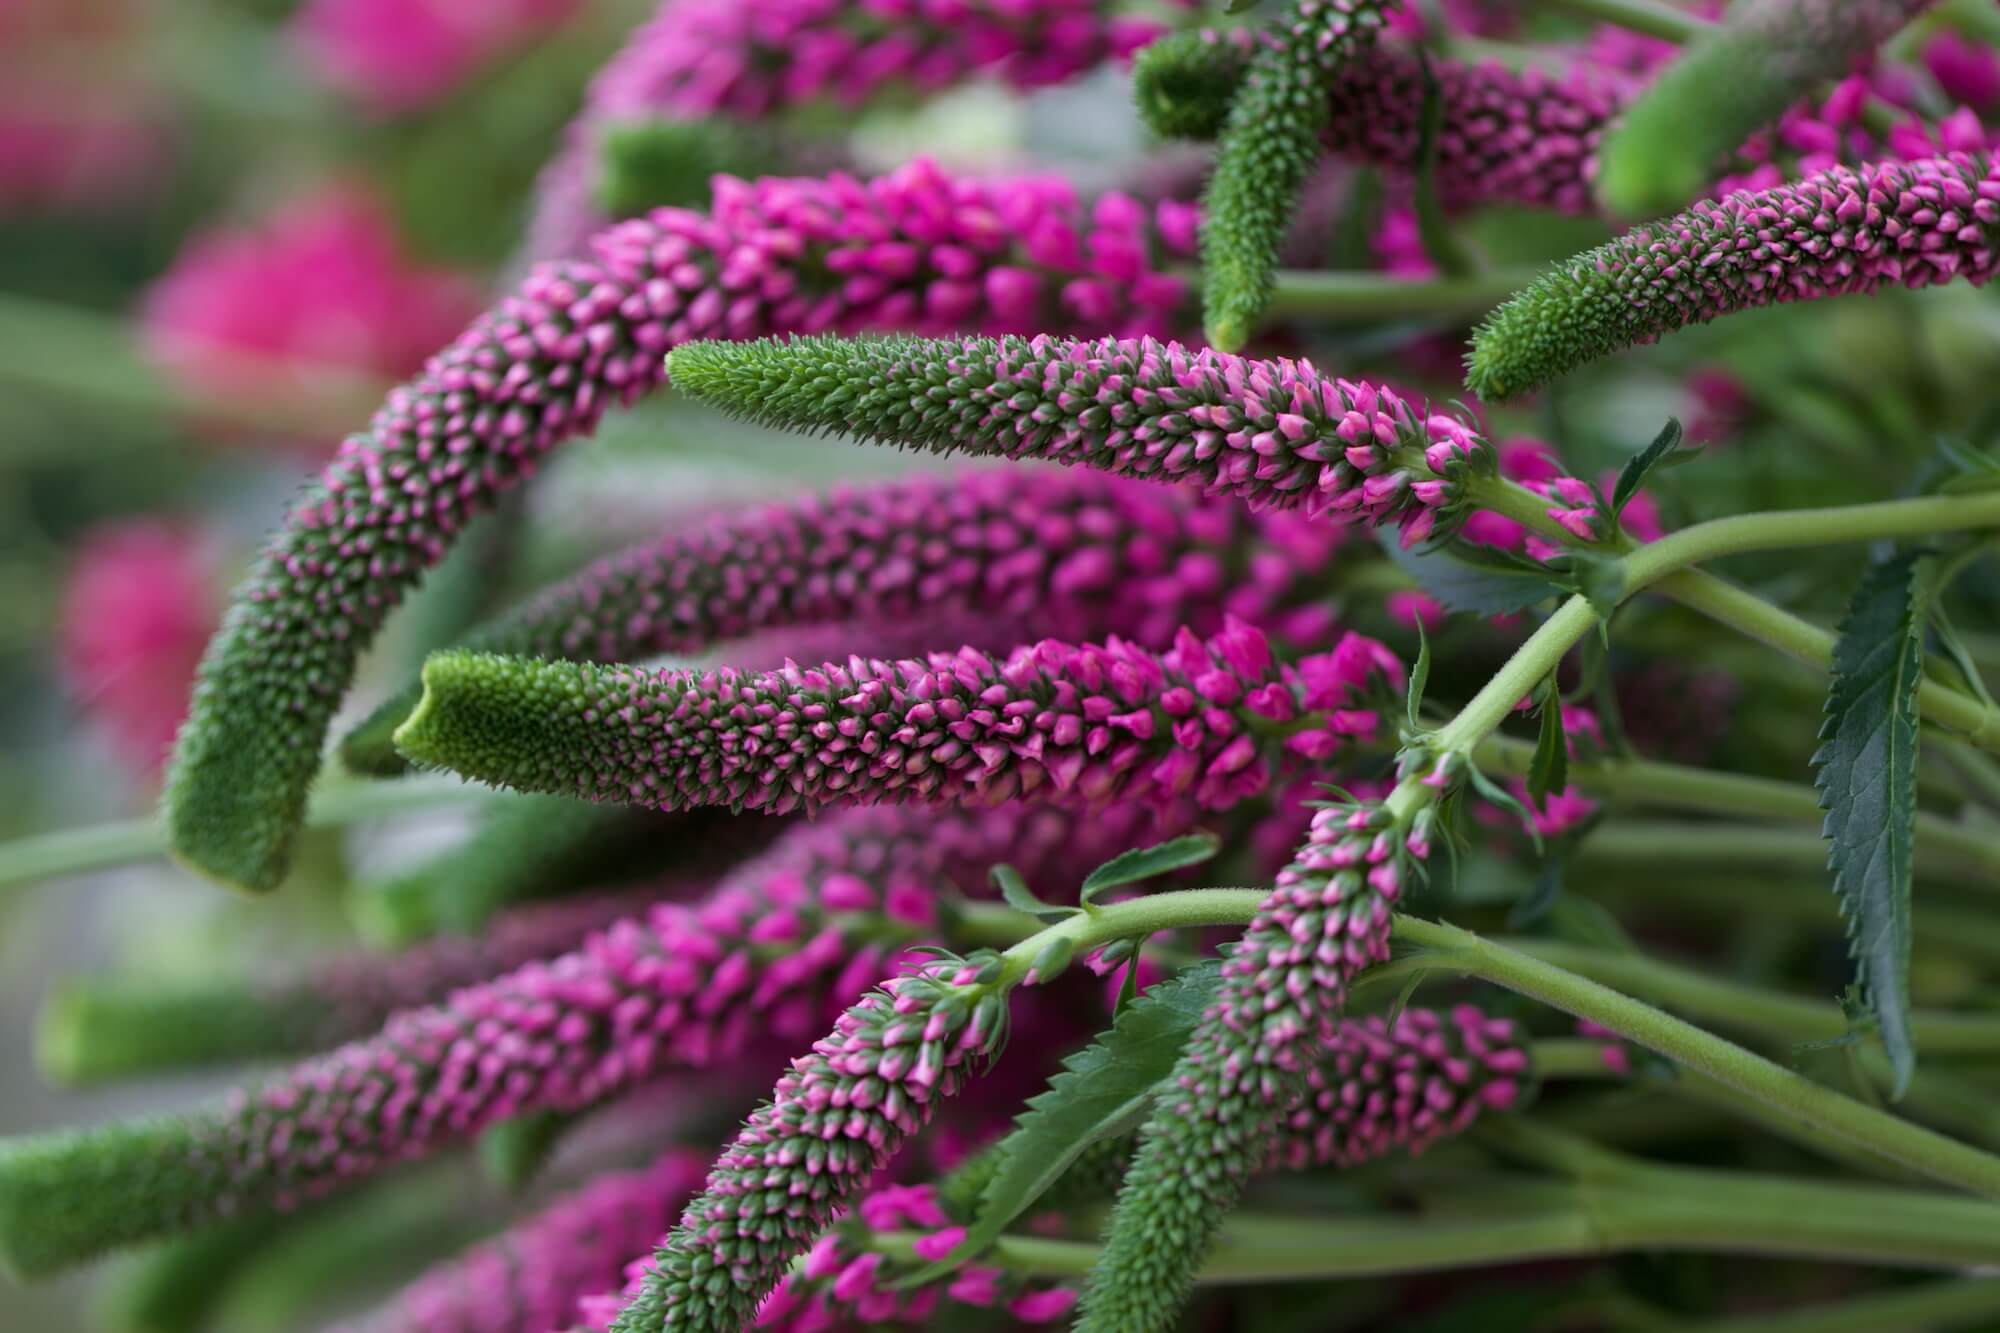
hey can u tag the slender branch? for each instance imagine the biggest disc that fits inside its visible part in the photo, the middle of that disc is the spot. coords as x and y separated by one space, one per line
1641 16
121 842
1943 848
1370 297
1814 1106
1935 1305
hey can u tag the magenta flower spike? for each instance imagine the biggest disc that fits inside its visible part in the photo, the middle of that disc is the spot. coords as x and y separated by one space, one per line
914 249
97 1030
1283 990
707 59
1838 232
782 941
1205 724
530 1278
1076 554
835 1119
1277 433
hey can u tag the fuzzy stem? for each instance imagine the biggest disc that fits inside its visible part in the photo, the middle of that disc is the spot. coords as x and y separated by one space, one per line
1816 1107
1663 566
339 802
1637 1208
1947 849
1569 1058
1964 1302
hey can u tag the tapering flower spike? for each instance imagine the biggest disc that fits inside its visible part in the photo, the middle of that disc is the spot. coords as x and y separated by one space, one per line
1268 144
1731 81
94 1030
723 60
1077 554
1503 136
1206 723
1247 1065
836 1117
530 1277
1276 433
684 986
914 249
1839 232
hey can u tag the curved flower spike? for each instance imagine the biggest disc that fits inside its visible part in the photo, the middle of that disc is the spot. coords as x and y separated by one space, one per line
95 1030
1078 554
1247 1065
1504 135
1269 143
1838 232
914 249
1275 433
530 1277
836 1117
1206 723
1734 80
685 985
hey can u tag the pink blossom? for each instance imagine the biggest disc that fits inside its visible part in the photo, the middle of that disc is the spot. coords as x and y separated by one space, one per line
402 55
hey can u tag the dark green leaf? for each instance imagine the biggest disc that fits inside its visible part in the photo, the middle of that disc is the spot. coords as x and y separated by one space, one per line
1642 464
1014 891
1506 800
1146 862
1865 770
1102 1091
1128 986
1548 771
1434 230
1481 587
1600 578
1531 910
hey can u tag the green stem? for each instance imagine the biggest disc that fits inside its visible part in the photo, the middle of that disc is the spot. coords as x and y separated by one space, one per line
1641 1208
1642 16
1569 1058
121 842
1815 1107
1947 850
1370 297
1664 566
1964 1302
1949 847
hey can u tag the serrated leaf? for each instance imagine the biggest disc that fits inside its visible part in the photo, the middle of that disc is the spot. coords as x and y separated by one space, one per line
1481 587
1101 1091
1420 675
1865 770
1145 862
1548 771
1014 891
1656 455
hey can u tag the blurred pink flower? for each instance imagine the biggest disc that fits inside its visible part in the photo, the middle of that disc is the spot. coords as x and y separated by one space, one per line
402 55
309 301
80 127
139 606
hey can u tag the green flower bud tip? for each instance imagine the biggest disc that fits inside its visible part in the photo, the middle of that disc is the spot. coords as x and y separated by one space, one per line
71 1196
1730 83
89 1032
1269 143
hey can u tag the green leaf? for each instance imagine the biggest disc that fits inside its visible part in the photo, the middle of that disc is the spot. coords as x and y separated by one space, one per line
1548 771
1865 770
1483 587
1506 800
1014 891
1145 862
1101 1091
1601 579
1420 675
1664 451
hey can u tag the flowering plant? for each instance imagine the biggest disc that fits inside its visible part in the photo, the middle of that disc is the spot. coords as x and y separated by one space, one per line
1034 854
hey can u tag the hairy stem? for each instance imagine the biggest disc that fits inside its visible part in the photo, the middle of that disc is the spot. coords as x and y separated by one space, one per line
1817 1108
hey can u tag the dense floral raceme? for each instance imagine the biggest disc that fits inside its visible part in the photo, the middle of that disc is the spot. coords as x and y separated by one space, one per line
530 1277
1269 143
779 942
1078 554
1206 723
836 1117
915 248
94 1030
1284 986
1275 433
1842 231
1732 80
711 59
1503 136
